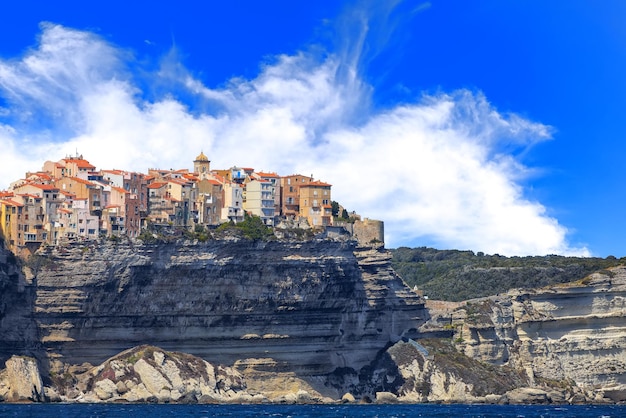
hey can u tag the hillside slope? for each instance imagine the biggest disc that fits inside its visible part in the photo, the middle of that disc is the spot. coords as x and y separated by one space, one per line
455 275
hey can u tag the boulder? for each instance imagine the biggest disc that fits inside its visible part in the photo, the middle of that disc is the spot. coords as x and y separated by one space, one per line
348 398
527 396
24 380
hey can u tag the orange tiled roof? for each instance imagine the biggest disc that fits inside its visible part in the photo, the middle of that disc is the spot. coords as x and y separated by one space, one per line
48 187
262 174
82 181
34 196
120 190
11 203
316 183
156 185
177 181
80 163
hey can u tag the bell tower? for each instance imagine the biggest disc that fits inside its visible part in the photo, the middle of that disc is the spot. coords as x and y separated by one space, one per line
202 165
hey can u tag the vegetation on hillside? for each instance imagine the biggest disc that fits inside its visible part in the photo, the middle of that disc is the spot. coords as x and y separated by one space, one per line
460 275
252 227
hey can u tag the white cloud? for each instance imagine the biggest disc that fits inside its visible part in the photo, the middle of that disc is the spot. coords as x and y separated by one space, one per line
440 169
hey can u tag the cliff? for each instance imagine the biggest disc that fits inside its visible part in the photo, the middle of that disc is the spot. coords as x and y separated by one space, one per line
294 321
18 330
309 307
569 336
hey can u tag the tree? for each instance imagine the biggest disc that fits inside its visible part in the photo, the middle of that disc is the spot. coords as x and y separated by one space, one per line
335 208
254 228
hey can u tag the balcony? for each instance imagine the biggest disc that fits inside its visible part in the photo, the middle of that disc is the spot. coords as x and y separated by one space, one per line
32 238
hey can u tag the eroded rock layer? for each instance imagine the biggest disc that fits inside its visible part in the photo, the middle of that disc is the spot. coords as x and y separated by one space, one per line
574 333
309 306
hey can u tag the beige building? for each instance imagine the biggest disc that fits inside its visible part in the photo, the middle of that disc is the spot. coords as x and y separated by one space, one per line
274 180
23 223
259 200
209 202
69 167
315 203
233 203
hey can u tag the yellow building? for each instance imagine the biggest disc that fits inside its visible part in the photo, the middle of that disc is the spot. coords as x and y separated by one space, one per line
315 203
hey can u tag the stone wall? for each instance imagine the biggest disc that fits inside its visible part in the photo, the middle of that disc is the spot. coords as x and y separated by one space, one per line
368 232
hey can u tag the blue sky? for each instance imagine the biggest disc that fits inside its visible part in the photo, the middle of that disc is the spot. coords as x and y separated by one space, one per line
493 126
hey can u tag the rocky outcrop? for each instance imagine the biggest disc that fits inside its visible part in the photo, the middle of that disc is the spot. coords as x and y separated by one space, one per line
571 335
149 374
21 381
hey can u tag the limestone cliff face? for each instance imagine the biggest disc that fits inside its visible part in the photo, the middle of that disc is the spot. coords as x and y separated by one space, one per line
18 331
572 333
310 307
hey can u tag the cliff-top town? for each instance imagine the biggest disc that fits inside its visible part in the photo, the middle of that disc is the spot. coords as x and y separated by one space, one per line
71 199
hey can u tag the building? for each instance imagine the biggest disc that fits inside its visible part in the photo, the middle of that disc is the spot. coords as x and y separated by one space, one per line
274 180
69 167
232 211
202 166
290 194
259 200
136 185
82 223
314 203
210 201
23 223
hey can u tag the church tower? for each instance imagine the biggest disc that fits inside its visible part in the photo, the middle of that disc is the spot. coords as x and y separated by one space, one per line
202 165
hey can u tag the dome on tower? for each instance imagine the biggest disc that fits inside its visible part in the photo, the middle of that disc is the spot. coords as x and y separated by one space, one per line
202 157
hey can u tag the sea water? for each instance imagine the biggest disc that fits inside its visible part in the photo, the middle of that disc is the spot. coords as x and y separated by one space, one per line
286 411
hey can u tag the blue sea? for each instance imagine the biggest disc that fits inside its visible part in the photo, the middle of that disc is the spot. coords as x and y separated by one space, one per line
308 411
